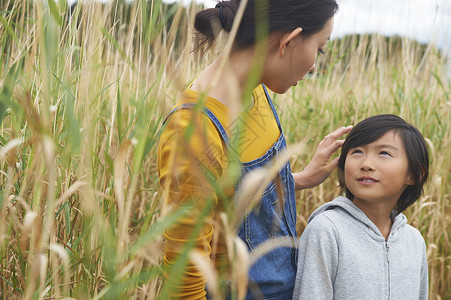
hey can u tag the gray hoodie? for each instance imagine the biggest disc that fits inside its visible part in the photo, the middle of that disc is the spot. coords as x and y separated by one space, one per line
343 255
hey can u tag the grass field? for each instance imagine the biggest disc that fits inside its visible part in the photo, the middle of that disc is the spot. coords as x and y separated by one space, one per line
82 95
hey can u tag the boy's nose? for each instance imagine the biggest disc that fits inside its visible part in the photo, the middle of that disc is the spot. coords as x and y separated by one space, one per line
367 165
366 168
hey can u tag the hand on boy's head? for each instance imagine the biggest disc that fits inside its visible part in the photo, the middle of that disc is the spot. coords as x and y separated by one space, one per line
320 166
331 143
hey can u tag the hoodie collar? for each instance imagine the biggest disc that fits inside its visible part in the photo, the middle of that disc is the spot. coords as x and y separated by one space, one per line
356 213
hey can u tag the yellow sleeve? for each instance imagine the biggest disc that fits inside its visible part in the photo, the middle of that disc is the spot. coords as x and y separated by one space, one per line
190 154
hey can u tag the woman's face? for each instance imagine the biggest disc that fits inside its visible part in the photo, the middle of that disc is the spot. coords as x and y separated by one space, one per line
295 59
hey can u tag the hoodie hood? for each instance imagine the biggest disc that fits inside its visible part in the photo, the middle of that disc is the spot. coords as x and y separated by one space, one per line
356 213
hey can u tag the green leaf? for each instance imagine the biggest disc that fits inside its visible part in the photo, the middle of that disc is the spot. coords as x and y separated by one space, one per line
55 11
157 229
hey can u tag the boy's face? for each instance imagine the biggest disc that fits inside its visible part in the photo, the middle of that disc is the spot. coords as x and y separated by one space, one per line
377 173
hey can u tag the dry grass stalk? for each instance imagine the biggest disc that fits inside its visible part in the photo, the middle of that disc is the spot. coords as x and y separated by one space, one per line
73 91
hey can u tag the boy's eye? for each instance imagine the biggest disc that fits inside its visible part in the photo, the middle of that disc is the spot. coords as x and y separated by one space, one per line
321 51
385 153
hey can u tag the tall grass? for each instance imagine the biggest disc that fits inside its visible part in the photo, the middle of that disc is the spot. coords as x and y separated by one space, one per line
83 91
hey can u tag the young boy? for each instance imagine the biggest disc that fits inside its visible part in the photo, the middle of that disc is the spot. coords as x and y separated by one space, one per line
360 246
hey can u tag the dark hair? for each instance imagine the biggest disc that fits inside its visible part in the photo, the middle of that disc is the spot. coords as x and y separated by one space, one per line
281 15
370 130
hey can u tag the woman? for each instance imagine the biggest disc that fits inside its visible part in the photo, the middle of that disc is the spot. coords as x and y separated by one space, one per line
280 38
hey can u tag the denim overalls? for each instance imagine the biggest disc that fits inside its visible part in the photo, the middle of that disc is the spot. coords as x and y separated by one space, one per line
272 276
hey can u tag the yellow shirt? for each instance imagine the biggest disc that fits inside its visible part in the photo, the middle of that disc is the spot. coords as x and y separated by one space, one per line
190 146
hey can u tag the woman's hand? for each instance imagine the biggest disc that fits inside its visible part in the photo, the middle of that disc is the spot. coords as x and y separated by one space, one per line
320 166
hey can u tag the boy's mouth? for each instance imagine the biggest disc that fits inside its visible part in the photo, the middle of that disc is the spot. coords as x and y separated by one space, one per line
367 180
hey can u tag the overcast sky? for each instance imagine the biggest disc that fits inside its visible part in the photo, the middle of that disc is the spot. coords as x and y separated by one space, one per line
423 20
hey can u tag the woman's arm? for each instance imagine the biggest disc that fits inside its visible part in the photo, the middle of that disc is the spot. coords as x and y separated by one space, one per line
320 166
185 166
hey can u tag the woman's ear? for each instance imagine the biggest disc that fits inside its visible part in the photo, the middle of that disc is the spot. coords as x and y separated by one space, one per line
288 38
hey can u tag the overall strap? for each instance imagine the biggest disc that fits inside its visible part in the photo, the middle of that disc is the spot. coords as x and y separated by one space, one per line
209 114
272 108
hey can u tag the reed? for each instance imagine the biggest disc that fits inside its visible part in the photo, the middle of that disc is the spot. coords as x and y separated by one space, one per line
83 91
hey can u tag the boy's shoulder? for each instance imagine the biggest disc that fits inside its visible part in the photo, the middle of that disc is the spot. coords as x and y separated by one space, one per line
411 234
339 211
331 219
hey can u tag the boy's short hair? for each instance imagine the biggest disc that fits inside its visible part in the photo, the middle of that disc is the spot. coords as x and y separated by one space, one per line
370 130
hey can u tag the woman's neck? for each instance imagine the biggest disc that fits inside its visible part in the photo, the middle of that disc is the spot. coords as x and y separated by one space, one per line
226 84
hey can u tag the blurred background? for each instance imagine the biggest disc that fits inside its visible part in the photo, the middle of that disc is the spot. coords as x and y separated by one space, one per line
426 21
84 87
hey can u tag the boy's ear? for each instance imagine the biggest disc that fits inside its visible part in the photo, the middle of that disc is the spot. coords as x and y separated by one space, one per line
341 177
410 180
288 38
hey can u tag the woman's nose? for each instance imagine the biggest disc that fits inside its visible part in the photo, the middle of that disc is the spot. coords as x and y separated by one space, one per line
313 68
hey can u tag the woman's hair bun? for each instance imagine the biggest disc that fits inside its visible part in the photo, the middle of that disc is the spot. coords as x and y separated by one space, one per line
226 13
207 20
280 16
